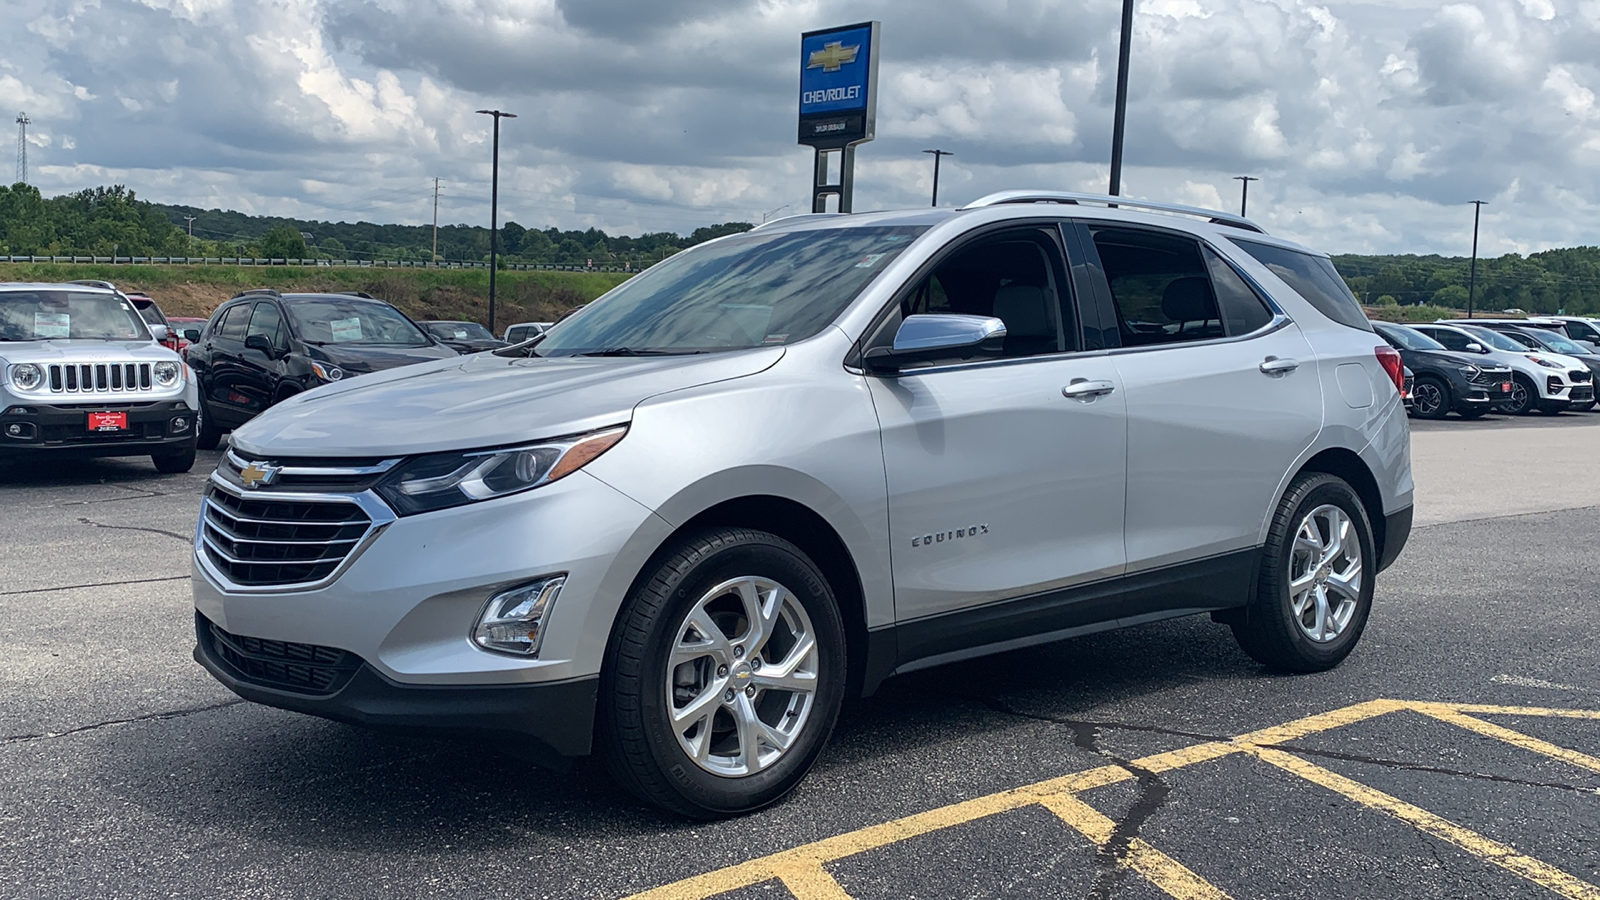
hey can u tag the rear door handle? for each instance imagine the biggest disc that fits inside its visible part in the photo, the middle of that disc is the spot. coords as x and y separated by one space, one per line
1272 365
1083 389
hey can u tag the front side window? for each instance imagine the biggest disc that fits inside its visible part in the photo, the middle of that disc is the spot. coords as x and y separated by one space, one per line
1312 277
69 315
1449 337
1494 339
1582 331
750 290
1015 278
332 320
233 321
267 321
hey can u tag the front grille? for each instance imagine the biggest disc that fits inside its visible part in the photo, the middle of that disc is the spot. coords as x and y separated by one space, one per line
1579 376
1491 376
99 378
284 665
338 475
279 540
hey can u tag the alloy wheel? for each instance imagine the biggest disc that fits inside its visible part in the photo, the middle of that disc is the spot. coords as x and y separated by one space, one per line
1325 573
741 678
1429 399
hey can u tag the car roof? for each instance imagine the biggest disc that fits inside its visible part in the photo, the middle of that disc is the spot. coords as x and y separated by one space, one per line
56 286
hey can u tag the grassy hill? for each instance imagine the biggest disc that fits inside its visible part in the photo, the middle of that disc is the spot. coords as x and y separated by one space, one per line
420 293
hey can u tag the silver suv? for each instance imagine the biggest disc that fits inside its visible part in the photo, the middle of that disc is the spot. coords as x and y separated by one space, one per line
81 374
684 524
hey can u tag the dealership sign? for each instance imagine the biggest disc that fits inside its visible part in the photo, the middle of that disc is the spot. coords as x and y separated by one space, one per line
838 85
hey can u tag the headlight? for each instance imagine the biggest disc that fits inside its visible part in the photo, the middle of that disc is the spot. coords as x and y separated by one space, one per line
327 373
1545 362
1470 371
166 373
443 480
27 376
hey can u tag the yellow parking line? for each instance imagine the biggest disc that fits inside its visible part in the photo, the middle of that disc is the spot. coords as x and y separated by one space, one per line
1158 868
811 882
1510 736
1488 710
1540 873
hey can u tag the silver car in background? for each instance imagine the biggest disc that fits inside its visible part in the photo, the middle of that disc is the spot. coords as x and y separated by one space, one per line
82 375
684 524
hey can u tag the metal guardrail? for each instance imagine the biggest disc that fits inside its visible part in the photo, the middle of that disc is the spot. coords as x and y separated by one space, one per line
321 263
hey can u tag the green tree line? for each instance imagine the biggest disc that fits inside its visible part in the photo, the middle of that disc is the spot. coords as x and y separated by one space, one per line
1547 282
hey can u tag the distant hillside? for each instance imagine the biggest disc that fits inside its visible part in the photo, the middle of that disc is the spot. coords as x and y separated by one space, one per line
1548 282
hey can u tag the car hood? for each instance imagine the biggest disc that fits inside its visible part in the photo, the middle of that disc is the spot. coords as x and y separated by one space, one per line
82 351
360 360
481 400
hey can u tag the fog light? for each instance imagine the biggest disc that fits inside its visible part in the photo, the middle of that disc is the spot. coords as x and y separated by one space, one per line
180 425
22 431
14 430
513 622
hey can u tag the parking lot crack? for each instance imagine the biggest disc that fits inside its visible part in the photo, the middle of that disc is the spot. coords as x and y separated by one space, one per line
1435 770
161 531
96 584
148 717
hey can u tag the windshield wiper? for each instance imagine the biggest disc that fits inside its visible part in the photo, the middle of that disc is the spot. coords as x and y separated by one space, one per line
628 351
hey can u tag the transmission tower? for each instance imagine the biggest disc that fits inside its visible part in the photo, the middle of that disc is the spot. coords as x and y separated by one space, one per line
22 147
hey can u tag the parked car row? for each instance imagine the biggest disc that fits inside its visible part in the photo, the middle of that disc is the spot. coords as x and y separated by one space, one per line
1515 366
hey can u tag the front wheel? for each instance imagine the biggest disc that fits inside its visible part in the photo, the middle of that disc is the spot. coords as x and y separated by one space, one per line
1475 412
208 435
175 463
724 675
1314 591
1431 398
1524 396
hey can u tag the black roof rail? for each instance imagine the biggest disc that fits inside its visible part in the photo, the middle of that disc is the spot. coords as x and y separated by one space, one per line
362 294
1215 217
94 282
269 292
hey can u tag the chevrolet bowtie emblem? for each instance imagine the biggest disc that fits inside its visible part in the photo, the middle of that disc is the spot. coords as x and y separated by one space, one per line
253 475
832 56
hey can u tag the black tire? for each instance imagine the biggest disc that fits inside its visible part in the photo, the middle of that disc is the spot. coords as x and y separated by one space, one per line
635 736
1268 631
1524 397
1553 407
175 463
207 435
1476 412
1585 406
1431 398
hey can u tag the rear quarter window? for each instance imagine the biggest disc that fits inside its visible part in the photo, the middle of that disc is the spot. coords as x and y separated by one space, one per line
1312 277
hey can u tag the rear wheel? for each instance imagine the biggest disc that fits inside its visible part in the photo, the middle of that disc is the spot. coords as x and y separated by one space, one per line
724 675
1314 591
1430 398
1524 396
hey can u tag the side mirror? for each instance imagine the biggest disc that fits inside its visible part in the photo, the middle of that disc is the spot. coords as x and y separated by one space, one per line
192 335
924 338
160 332
260 342
1475 347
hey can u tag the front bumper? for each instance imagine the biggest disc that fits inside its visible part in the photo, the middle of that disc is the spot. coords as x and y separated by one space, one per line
547 722
39 428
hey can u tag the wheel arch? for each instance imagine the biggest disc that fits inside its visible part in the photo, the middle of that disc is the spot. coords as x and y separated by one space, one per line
1346 464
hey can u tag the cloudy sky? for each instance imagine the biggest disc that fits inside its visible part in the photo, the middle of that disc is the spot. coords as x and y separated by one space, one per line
1370 124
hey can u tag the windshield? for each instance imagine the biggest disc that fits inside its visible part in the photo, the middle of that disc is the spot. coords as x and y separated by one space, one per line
58 315
1558 344
752 290
331 321
459 331
1407 338
1493 339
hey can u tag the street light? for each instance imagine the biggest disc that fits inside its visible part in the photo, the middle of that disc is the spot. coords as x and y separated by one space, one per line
494 207
1244 194
936 155
1472 280
1121 114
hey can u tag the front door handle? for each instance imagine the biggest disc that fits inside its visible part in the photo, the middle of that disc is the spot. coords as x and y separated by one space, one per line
1083 389
1272 365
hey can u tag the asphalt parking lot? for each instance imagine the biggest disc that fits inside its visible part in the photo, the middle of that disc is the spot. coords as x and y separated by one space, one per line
1455 754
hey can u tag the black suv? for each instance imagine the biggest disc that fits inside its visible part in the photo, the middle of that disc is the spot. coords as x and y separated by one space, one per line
463 337
1446 380
262 346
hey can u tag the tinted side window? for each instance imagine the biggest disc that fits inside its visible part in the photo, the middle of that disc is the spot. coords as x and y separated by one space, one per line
1160 286
267 321
1582 331
1242 309
1312 277
1016 278
1452 340
232 323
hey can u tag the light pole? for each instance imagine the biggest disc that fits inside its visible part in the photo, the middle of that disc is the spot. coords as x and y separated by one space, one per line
1244 193
772 212
1121 113
1472 279
936 155
494 207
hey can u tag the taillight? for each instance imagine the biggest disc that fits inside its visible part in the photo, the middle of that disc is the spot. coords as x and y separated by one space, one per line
1389 358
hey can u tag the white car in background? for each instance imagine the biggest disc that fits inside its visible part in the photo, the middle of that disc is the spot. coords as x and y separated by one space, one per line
1547 382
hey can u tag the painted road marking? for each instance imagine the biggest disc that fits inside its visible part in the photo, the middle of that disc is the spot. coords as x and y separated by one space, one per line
802 870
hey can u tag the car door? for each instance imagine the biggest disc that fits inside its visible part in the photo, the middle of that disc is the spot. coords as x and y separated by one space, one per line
1222 396
224 367
261 372
1004 474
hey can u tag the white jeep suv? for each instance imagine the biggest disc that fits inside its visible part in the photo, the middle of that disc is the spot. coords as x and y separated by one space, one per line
785 465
